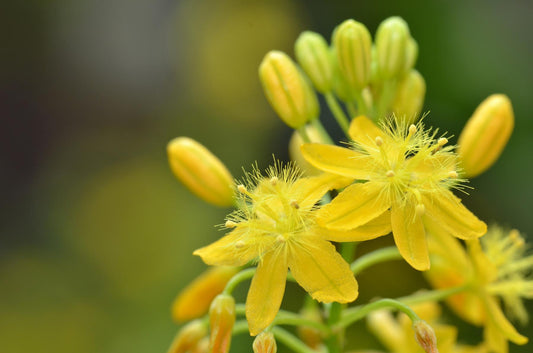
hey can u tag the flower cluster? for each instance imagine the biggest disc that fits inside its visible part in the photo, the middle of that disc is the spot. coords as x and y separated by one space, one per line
301 221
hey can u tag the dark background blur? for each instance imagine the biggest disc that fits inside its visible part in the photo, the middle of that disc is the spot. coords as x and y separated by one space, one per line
96 235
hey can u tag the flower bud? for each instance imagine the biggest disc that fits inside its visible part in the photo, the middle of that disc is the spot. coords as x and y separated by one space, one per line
296 154
409 99
188 337
340 86
353 48
391 46
195 299
287 90
311 336
221 320
200 171
411 54
485 135
313 55
425 336
265 343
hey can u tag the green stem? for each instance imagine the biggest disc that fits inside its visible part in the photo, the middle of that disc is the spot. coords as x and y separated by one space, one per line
387 95
240 326
238 278
361 104
351 109
359 312
303 134
324 136
431 295
337 111
375 257
288 318
291 341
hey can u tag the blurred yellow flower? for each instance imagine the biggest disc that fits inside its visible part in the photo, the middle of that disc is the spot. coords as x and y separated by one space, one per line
404 169
493 268
276 226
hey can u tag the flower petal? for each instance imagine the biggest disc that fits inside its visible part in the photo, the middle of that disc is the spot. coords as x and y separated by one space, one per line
338 160
448 211
321 270
377 227
266 291
355 206
499 320
224 251
409 235
364 131
310 190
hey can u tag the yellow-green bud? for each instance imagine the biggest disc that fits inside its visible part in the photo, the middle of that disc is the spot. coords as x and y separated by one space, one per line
340 85
409 99
313 55
411 54
485 135
221 321
391 46
425 336
296 153
200 171
287 90
353 44
188 337
265 343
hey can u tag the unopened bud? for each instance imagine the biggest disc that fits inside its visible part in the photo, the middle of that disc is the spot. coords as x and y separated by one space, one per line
221 320
296 153
314 56
340 86
409 99
485 135
200 171
195 299
287 90
391 46
411 54
265 343
311 336
353 48
425 336
188 337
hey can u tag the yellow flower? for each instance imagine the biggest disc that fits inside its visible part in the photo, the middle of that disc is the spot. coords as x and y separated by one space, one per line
493 268
402 169
276 226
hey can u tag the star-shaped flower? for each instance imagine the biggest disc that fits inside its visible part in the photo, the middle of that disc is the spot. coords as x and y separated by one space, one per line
276 227
400 168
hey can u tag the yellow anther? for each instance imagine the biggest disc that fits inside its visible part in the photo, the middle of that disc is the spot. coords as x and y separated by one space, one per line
453 174
274 180
442 141
294 204
230 224
412 129
239 244
390 173
420 209
280 239
379 141
242 189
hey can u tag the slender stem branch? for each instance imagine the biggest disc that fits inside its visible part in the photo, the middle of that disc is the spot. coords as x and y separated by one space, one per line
431 295
387 95
322 131
361 104
375 257
359 312
303 134
288 318
351 109
291 341
337 111
240 326
238 278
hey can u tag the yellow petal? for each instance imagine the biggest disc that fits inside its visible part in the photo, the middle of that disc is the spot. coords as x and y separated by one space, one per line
310 190
448 211
447 248
266 291
497 318
364 131
377 227
225 252
355 206
409 236
338 160
321 270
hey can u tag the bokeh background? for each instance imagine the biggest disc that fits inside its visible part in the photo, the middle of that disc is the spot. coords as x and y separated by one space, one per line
96 235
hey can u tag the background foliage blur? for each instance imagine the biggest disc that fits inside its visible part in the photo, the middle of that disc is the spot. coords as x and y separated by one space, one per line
96 235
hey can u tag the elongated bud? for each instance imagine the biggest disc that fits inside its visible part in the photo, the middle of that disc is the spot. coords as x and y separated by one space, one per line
221 320
313 55
296 153
188 337
485 135
425 336
409 99
310 336
200 171
341 88
265 343
287 90
391 46
195 299
353 44
411 54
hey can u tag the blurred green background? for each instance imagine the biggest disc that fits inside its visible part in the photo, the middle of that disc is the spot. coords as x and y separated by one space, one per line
96 235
